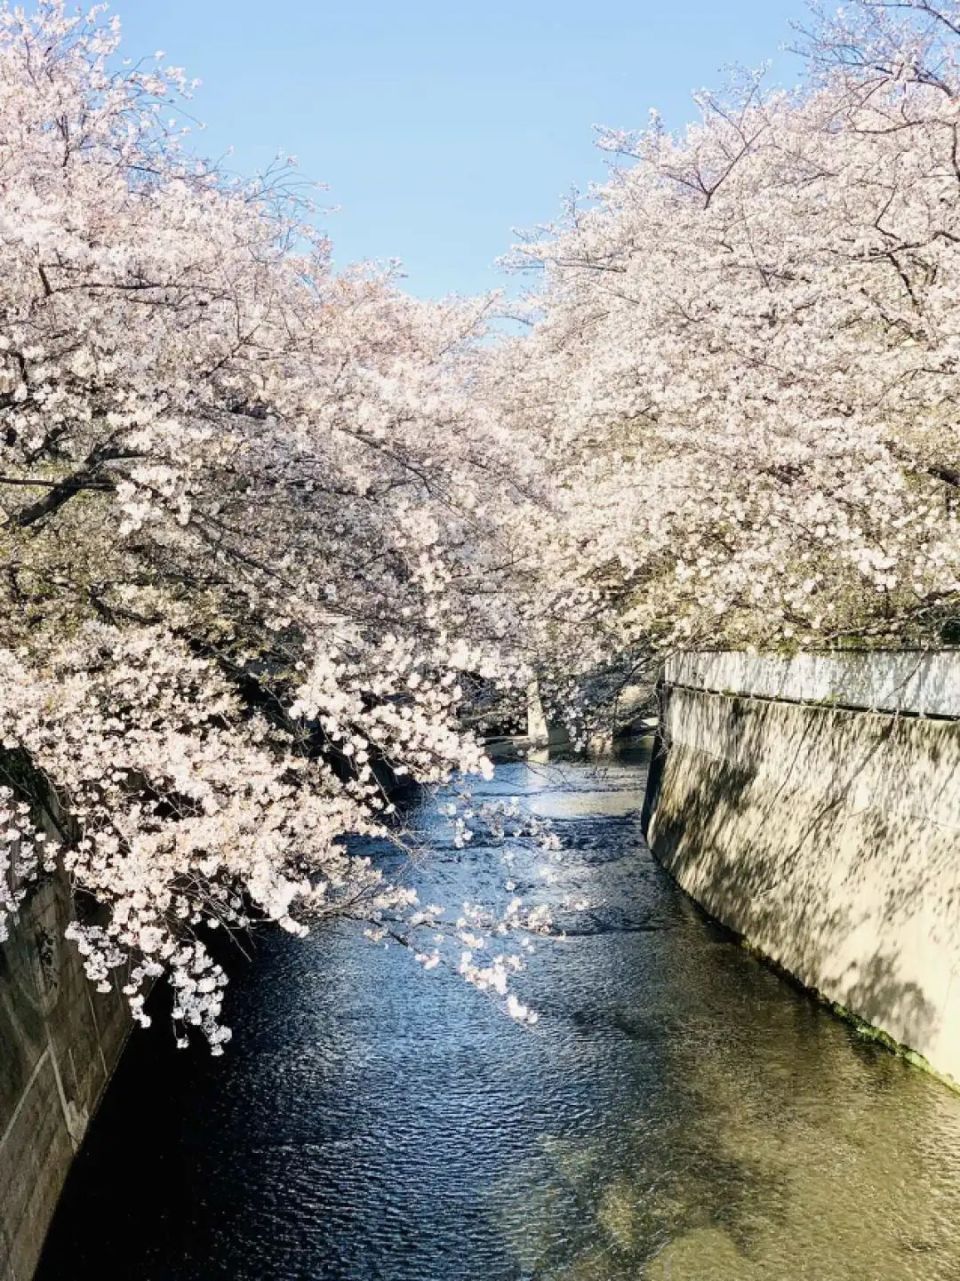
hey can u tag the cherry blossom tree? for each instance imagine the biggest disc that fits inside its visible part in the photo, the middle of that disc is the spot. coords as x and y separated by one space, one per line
743 368
255 533
270 535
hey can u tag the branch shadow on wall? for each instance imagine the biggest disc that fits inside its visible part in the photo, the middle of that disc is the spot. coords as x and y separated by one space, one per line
828 840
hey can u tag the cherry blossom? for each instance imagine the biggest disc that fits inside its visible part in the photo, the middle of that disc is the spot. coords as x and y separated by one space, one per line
274 538
255 529
742 368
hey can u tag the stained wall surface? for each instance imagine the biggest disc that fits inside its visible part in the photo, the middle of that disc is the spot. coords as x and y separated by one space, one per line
828 836
59 1041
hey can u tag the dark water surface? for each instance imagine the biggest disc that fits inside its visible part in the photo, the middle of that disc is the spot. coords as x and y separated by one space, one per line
678 1113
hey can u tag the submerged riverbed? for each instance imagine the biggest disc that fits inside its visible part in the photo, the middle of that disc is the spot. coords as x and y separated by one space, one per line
677 1113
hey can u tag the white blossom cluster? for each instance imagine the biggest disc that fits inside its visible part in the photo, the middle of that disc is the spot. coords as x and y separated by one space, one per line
25 850
475 942
487 968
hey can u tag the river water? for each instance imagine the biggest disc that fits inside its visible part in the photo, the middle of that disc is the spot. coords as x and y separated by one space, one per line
678 1112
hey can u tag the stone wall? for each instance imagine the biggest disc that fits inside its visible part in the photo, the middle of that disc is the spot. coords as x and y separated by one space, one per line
826 833
59 1041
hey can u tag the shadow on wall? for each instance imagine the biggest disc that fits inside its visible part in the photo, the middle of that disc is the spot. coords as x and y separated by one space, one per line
831 841
59 1041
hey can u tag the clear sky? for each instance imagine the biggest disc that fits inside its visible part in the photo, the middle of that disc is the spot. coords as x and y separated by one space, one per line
440 126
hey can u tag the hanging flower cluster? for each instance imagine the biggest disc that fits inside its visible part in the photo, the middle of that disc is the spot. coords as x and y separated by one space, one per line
25 850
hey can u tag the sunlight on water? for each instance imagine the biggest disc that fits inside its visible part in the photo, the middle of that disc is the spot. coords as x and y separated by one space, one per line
678 1113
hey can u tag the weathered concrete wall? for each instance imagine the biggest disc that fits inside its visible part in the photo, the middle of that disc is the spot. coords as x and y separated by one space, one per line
830 839
59 1041
919 683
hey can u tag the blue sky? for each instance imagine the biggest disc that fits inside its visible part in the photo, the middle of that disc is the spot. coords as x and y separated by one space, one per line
440 126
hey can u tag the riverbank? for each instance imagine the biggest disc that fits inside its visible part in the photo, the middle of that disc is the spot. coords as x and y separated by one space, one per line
811 805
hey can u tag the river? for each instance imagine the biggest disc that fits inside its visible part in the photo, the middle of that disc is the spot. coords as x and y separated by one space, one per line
677 1113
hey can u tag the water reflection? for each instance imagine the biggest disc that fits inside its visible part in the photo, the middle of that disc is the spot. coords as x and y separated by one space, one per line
678 1113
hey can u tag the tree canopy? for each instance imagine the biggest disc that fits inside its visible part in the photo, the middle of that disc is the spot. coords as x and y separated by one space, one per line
269 533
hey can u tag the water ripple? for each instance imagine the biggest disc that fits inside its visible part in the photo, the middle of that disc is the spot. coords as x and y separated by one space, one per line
678 1113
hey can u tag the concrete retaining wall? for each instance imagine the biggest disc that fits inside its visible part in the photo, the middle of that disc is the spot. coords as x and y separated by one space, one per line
59 1041
828 837
918 683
